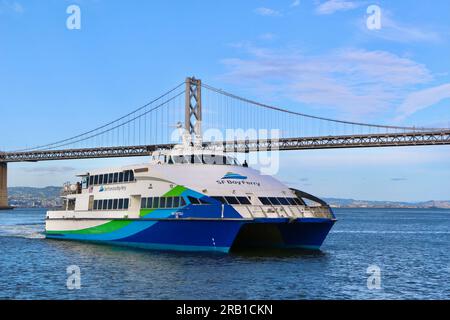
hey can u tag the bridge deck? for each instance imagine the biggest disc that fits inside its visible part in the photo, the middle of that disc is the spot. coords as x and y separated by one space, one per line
303 143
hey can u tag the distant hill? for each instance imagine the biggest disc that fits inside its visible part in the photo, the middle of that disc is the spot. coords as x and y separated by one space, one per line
46 192
50 197
28 197
352 203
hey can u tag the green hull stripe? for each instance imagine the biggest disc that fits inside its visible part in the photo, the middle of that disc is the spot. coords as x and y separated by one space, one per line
104 228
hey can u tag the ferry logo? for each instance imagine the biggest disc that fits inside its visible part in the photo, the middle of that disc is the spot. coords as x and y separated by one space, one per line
102 188
231 175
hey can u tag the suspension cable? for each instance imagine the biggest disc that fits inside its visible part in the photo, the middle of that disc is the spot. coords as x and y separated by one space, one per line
220 91
103 126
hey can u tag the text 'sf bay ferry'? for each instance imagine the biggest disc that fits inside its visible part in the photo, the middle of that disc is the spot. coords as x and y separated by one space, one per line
192 200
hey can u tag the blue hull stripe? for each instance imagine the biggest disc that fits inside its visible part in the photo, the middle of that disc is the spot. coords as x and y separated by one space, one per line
185 235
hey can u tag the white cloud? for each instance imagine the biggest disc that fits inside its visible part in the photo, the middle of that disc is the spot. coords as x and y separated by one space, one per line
332 6
267 36
420 100
393 30
11 6
352 82
267 12
296 3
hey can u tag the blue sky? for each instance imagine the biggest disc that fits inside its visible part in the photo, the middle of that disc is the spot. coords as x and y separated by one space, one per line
312 56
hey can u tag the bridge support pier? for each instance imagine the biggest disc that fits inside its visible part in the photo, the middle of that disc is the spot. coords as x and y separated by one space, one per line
4 186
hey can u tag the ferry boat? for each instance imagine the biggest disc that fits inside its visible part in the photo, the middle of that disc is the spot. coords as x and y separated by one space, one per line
189 199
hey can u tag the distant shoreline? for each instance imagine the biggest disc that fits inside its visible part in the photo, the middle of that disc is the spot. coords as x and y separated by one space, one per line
50 197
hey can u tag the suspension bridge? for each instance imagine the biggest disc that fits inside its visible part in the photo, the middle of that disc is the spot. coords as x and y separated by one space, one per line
212 114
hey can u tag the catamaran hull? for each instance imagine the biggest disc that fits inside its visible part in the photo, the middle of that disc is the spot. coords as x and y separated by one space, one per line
218 235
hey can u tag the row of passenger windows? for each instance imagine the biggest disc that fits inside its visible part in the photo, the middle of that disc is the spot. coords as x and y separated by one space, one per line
111 204
176 202
202 159
276 201
162 202
110 178
233 200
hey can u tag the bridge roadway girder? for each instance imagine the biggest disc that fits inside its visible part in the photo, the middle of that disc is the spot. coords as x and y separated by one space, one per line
428 138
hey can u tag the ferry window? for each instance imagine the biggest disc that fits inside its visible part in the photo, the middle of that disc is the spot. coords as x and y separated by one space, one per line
169 202
204 201
120 176
283 201
180 159
111 178
232 200
144 203
100 205
222 160
149 203
105 178
156 202
182 202
243 200
115 204
162 202
209 159
105 204
126 202
127 176
176 202
170 161
85 182
91 180
265 201
95 204
100 179
274 201
116 177
71 205
220 199
233 161
193 200
299 201
131 175
110 204
120 204
291 201
197 159
95 179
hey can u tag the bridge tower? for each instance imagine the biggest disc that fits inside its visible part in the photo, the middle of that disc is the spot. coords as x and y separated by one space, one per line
193 108
4 186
